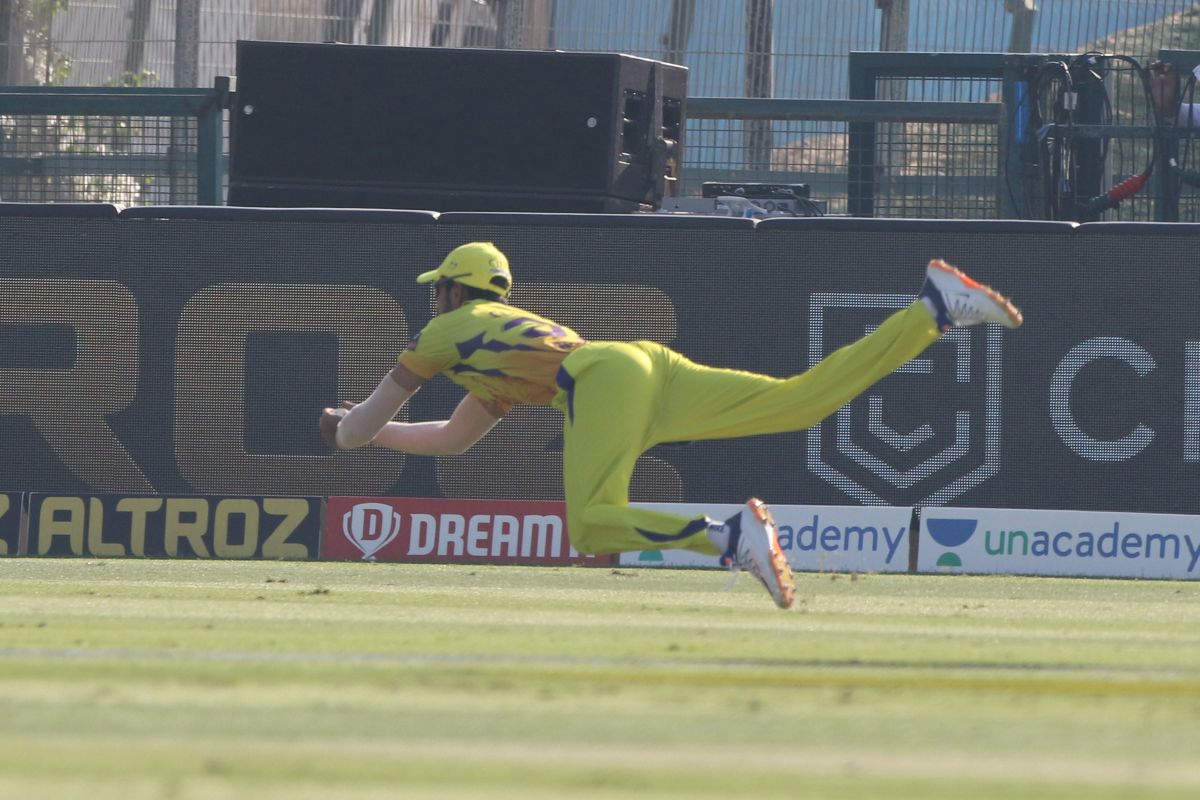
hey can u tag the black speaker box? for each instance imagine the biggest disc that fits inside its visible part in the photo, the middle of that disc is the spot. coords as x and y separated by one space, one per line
360 126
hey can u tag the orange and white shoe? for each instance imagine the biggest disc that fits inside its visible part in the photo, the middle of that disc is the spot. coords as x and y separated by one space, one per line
955 300
754 547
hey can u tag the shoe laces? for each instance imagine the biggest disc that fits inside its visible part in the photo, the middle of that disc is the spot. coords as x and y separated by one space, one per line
733 573
731 561
736 561
746 563
963 310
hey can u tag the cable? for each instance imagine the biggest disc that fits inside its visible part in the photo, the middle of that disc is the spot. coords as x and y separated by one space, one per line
811 209
1052 90
1056 154
1132 185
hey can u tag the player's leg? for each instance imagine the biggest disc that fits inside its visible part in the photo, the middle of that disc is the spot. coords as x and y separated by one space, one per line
610 402
706 403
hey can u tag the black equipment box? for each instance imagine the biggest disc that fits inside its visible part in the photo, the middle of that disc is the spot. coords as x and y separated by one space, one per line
361 126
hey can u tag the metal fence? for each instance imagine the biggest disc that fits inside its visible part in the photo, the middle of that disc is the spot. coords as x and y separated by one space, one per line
800 46
121 146
163 147
911 166
880 158
942 157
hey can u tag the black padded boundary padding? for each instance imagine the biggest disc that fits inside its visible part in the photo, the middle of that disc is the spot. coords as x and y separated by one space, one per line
617 221
1172 229
772 224
195 355
91 210
248 214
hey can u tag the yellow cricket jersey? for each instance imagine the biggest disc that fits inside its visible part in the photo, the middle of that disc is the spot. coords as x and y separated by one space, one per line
497 352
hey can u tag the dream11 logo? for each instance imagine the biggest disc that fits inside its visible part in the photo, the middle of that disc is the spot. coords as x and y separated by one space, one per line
876 448
371 527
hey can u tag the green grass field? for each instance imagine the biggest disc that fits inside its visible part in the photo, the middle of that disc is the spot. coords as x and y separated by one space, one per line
168 679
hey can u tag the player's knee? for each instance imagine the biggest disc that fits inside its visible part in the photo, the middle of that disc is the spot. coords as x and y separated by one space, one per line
591 539
585 545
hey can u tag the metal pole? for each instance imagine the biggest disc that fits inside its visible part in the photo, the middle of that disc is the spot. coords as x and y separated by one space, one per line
187 75
893 25
1024 12
7 14
760 35
1088 180
524 24
135 45
890 138
510 19
679 30
187 44
380 23
10 44
210 144
341 15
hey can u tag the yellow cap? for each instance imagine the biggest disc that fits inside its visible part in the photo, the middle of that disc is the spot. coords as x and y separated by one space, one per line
478 264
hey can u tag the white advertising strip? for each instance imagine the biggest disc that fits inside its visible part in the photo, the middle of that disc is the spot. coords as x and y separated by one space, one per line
1081 543
815 538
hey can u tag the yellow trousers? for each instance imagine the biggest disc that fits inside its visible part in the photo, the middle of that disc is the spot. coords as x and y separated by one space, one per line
619 399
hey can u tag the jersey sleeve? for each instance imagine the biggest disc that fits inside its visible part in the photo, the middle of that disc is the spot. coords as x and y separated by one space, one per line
501 404
430 352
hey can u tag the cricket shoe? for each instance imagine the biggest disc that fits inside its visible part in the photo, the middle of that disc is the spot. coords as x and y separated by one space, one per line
956 300
754 547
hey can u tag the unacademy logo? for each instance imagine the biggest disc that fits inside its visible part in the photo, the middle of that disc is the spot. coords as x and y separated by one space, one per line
950 533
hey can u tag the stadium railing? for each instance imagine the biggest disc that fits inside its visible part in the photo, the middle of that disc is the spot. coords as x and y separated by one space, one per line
127 146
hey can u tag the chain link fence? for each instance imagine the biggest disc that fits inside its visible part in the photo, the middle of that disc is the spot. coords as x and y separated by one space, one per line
126 146
733 48
121 159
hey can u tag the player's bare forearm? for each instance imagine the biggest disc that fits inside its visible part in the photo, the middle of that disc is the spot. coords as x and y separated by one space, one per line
420 438
354 425
471 420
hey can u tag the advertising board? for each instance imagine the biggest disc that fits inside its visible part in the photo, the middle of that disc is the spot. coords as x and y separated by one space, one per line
815 538
10 523
140 526
450 531
1082 543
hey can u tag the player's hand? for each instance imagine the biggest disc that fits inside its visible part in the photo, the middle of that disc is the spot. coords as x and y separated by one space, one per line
330 419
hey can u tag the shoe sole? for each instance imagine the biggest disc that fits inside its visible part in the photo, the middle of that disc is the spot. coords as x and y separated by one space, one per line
779 563
1012 312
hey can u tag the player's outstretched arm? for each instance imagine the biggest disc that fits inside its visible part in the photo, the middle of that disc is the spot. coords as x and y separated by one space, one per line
471 420
354 425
